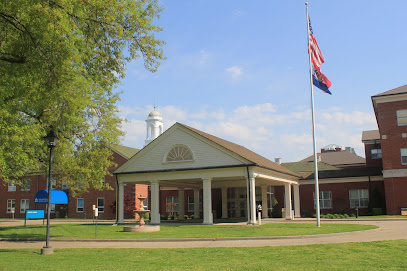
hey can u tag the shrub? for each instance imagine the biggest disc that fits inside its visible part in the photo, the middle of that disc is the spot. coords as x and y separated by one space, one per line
276 209
377 211
146 216
346 216
186 216
192 216
162 217
352 215
306 213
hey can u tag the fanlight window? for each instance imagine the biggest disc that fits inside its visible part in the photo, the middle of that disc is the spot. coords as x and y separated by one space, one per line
179 153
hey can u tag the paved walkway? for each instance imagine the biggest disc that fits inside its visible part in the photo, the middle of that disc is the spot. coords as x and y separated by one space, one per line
388 230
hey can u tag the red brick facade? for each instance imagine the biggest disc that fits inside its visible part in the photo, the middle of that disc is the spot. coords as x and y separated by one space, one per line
39 182
392 141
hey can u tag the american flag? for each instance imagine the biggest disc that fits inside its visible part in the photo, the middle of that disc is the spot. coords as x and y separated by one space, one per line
319 79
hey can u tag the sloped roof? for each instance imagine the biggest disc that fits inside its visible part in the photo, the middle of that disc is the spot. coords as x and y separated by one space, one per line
370 135
308 166
127 152
243 152
338 158
346 172
399 90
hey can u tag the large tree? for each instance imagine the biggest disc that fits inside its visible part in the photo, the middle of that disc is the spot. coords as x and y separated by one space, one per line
60 61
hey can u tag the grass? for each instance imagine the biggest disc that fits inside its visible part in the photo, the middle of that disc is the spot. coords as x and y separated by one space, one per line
383 255
85 231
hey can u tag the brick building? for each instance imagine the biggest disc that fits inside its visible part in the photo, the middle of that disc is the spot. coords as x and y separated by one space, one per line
390 108
21 197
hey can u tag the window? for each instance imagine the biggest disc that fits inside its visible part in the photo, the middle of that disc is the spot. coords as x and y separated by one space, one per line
401 117
24 205
179 153
325 200
403 153
79 205
101 205
53 183
12 186
11 205
376 153
64 186
25 185
358 198
191 204
171 204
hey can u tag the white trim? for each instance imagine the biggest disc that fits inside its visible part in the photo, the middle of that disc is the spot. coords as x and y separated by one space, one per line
392 173
346 180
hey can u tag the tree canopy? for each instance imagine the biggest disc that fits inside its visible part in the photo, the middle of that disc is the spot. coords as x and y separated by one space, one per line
60 61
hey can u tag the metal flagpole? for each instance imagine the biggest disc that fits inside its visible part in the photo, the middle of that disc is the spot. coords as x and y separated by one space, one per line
317 208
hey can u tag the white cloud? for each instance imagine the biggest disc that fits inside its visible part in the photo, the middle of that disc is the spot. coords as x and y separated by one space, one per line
235 72
263 128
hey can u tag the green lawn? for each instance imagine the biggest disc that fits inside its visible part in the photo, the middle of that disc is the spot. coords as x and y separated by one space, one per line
84 231
384 255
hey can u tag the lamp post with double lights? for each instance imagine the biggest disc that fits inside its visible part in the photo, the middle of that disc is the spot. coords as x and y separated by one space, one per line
51 140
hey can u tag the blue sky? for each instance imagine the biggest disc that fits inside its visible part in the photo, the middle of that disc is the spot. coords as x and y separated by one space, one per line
239 70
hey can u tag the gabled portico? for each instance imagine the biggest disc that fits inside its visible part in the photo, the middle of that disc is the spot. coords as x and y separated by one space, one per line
186 158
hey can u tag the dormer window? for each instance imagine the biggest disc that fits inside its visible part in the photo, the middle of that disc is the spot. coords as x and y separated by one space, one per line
179 153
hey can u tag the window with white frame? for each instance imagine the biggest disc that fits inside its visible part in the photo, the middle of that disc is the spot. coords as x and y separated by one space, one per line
24 205
358 198
179 153
101 205
191 204
376 153
403 153
401 117
80 203
325 200
26 185
11 204
12 186
171 204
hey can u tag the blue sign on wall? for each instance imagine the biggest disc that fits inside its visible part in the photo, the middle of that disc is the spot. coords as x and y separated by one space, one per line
34 214
57 197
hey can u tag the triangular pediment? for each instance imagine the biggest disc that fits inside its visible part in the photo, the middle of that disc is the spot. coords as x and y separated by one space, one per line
205 153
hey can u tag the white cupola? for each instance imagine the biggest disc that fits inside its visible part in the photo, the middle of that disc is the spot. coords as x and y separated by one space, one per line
155 126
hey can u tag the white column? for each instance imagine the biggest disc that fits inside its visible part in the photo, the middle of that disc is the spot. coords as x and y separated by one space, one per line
197 213
264 213
288 205
120 204
297 210
155 202
207 201
181 205
252 200
224 202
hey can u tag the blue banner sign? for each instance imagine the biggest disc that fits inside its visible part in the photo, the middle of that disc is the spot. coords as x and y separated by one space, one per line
34 214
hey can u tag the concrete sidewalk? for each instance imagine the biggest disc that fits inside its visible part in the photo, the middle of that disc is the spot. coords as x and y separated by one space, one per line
388 230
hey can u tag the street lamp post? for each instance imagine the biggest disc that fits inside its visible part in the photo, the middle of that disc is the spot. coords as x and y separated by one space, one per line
51 139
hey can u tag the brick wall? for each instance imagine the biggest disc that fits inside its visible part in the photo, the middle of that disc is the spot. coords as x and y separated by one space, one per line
369 161
387 121
39 182
340 196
